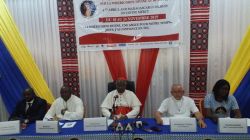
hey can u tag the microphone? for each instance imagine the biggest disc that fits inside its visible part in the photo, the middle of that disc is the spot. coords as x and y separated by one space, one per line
119 127
125 128
138 124
129 128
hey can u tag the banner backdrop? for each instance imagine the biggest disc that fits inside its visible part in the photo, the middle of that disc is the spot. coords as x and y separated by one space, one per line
118 24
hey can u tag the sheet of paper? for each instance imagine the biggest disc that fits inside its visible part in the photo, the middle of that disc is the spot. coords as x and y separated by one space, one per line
110 121
248 122
60 123
69 125
165 120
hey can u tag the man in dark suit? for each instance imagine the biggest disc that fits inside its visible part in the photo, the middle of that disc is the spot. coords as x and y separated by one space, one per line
30 109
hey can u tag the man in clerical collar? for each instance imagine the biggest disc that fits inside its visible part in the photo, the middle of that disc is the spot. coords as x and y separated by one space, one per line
122 103
30 108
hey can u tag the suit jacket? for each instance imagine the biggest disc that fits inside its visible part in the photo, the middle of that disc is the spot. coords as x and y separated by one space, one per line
35 112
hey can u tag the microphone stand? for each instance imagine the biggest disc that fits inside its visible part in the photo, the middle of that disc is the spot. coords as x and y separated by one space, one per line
112 111
114 107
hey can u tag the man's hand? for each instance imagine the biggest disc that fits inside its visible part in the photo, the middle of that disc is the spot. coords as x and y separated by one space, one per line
63 111
158 118
23 125
26 121
119 117
199 117
159 121
55 118
201 123
123 117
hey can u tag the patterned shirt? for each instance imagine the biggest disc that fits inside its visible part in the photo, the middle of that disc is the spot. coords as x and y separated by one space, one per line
221 109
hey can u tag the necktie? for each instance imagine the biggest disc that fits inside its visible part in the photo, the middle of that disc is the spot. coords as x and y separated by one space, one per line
29 105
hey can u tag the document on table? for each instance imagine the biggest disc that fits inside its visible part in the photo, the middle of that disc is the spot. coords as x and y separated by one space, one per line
69 125
248 122
165 120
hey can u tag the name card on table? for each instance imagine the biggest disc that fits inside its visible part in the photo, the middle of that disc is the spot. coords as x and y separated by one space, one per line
232 125
95 124
183 125
47 127
248 122
10 127
166 120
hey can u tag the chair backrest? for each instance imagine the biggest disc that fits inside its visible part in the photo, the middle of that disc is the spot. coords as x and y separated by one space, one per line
84 110
130 86
48 107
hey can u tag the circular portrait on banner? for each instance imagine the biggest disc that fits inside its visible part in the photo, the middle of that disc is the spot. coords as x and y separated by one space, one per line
88 8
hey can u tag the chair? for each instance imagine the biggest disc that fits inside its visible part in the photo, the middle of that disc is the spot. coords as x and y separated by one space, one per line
130 86
84 110
48 107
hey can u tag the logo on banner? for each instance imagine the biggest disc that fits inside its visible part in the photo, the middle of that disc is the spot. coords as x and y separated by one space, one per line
87 8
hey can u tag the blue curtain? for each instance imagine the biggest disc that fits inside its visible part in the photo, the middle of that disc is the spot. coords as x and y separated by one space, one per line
242 94
12 82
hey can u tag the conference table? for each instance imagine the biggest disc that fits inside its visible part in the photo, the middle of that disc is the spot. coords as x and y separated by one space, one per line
209 133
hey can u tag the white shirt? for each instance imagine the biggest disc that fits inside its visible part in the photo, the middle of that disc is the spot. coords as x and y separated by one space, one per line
126 99
178 108
27 104
74 107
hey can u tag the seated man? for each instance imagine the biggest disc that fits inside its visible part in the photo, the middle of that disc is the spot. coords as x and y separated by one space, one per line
219 104
30 109
178 106
122 103
66 107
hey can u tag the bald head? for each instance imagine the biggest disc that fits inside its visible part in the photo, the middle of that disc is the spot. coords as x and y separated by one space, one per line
28 94
65 93
120 85
177 91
